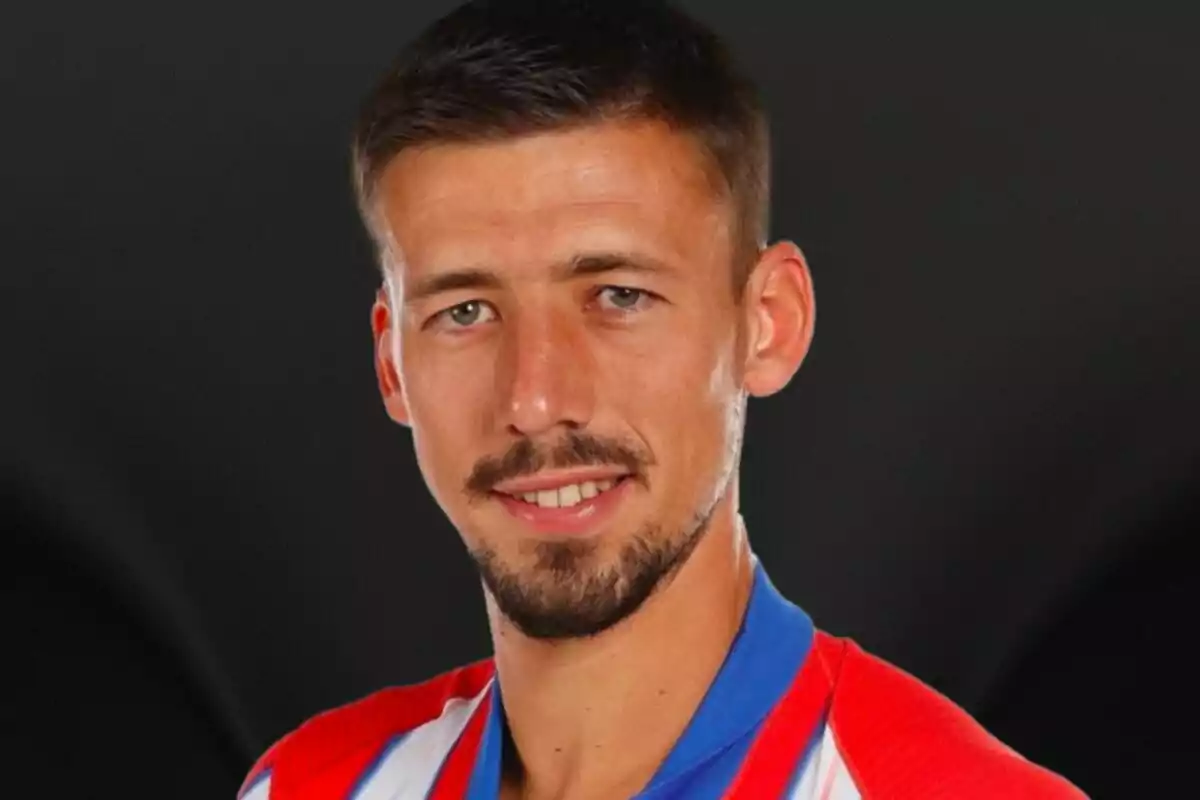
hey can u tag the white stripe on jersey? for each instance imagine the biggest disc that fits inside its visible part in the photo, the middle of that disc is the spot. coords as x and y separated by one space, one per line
825 776
261 790
408 769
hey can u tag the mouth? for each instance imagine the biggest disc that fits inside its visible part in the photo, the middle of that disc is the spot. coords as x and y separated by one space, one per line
565 496
567 505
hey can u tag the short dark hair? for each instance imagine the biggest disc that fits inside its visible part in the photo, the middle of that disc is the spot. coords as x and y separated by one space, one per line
495 69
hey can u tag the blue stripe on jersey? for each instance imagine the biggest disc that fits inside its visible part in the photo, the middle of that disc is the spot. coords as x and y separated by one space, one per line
368 773
485 776
772 644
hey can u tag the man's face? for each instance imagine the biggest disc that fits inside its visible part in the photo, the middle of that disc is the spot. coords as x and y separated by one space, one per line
569 352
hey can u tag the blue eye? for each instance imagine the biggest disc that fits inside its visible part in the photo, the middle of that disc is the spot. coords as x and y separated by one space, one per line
465 315
623 298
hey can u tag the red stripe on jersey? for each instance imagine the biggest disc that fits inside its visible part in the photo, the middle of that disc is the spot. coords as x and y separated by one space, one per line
455 775
900 738
769 767
336 780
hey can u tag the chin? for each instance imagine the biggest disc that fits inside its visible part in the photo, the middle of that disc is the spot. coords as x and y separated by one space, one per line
566 587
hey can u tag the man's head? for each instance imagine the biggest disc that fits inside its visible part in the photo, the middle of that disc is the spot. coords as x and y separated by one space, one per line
569 200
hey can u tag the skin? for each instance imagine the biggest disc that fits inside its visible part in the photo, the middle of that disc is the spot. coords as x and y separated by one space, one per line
663 365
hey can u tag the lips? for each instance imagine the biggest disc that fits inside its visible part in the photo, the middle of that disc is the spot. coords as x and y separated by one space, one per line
557 479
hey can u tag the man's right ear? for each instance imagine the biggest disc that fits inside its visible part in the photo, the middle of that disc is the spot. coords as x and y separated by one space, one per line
386 371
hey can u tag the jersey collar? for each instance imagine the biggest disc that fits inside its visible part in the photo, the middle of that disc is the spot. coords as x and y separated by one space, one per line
769 648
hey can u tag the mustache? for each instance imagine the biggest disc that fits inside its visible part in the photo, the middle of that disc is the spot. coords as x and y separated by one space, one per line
575 450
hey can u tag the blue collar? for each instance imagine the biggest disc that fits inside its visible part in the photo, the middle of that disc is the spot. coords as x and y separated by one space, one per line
770 647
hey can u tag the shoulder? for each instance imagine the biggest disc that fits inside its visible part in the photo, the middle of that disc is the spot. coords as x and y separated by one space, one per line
901 738
338 746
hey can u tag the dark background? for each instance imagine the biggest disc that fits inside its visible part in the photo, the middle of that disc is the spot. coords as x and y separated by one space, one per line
985 472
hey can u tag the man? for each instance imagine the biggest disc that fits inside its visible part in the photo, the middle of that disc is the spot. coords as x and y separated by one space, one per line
569 200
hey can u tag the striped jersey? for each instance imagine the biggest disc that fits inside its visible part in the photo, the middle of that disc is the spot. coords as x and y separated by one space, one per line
793 713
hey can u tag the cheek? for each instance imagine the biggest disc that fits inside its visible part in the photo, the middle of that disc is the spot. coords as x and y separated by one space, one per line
683 402
446 399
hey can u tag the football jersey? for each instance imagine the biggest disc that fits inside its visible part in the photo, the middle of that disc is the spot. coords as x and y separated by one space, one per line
793 713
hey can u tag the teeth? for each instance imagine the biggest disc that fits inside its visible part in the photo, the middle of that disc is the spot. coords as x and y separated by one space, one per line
567 496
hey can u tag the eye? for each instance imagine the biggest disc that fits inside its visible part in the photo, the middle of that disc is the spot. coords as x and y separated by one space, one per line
466 315
623 298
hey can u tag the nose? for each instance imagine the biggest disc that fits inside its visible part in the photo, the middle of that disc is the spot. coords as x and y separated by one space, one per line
546 374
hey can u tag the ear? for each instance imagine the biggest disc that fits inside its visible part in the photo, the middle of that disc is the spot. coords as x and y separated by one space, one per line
780 311
386 370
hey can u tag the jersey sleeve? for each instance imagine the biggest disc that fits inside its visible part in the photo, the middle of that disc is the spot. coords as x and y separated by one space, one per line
900 738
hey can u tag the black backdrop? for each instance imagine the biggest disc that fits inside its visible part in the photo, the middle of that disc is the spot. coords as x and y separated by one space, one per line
985 471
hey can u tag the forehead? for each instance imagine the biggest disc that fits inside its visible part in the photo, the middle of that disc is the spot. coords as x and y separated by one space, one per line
535 199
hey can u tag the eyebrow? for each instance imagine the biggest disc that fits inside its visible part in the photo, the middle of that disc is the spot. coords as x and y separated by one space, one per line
581 265
601 263
452 281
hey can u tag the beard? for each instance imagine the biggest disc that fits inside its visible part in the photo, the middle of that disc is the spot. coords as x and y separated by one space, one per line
561 589
564 596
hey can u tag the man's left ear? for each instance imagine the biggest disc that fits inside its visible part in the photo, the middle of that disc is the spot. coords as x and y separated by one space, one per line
780 311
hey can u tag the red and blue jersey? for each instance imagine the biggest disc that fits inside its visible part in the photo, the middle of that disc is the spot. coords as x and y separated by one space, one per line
793 713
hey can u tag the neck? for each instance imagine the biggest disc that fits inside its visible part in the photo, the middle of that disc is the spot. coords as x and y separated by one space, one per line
596 717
